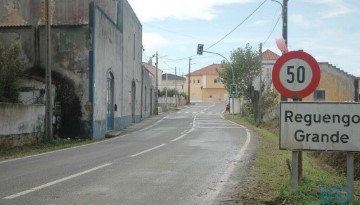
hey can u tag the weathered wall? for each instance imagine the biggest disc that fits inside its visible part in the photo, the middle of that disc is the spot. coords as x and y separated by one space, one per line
338 85
70 68
132 57
147 94
70 74
21 124
107 58
63 12
23 35
19 12
76 42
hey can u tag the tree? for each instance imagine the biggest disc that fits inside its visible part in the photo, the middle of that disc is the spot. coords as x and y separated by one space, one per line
246 65
11 65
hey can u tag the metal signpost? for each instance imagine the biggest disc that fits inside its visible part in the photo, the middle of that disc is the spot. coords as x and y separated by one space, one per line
296 74
323 126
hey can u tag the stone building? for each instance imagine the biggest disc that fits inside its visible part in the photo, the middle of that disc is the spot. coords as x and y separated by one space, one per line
96 52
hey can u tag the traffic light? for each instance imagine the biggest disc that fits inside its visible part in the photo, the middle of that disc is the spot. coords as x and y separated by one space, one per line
200 49
233 89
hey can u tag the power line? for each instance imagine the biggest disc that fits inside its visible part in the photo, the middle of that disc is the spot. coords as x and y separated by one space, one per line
277 21
237 26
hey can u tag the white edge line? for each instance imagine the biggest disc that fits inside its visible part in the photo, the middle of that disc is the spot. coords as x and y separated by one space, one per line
148 150
219 186
70 148
178 138
182 136
55 151
220 127
55 182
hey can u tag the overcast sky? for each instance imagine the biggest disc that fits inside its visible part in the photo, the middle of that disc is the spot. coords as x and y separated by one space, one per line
329 30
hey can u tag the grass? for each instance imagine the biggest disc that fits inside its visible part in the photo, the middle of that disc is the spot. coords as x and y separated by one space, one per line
9 153
269 179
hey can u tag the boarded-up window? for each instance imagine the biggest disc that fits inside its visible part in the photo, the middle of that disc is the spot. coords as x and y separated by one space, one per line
319 95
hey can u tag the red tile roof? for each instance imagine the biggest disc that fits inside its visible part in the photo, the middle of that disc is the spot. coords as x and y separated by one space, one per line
269 55
151 68
208 70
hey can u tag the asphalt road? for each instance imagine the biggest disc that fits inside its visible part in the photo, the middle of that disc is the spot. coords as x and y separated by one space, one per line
186 157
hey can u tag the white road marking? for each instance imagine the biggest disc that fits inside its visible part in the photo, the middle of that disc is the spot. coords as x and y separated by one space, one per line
181 136
219 127
55 182
148 150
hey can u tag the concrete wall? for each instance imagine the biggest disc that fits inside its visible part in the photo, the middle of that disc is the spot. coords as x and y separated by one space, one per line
21 124
23 35
106 59
338 85
170 84
148 97
132 57
84 50
63 12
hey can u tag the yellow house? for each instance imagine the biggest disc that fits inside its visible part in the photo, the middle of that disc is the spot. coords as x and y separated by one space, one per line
335 84
206 86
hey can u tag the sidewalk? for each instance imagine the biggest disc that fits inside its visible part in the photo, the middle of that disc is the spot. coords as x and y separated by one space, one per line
138 126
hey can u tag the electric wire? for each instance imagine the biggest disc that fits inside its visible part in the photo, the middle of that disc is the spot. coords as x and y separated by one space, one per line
278 19
237 25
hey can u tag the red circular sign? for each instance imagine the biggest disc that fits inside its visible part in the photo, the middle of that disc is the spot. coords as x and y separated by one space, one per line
296 74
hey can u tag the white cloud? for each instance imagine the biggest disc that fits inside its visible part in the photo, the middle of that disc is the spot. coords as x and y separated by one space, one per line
261 22
154 41
300 20
181 10
334 8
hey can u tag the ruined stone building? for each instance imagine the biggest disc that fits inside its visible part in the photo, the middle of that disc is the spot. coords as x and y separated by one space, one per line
98 79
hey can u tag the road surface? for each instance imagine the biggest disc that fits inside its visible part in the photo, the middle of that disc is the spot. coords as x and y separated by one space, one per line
186 157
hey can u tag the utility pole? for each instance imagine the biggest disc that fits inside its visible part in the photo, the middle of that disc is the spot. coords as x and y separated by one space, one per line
284 16
284 9
284 30
175 88
156 84
260 84
49 112
188 100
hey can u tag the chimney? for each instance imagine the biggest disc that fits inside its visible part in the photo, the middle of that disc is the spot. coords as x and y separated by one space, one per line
150 61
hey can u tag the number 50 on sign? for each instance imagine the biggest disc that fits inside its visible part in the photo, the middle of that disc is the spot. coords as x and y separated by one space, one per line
296 74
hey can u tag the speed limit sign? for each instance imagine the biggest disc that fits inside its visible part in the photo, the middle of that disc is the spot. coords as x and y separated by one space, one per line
296 74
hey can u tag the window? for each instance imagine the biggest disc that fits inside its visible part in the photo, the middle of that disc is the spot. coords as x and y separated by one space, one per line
194 81
198 81
319 95
217 80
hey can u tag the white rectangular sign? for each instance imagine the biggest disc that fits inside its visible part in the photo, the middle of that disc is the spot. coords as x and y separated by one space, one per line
320 126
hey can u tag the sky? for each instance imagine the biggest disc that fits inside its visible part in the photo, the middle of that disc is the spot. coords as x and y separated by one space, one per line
329 30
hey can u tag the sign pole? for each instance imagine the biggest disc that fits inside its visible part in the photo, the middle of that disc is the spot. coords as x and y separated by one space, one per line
296 74
350 173
300 156
294 170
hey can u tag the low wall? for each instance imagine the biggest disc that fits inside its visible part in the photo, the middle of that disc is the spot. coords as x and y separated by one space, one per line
21 124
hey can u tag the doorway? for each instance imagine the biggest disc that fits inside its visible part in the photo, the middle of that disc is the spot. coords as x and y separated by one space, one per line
133 97
110 102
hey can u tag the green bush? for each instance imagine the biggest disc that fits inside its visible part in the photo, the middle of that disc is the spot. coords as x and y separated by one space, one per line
11 65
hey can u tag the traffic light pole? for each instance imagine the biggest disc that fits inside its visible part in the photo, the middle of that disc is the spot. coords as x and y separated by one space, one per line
233 78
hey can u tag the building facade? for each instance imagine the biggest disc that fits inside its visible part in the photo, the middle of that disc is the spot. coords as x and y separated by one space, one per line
171 81
335 84
206 85
96 60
